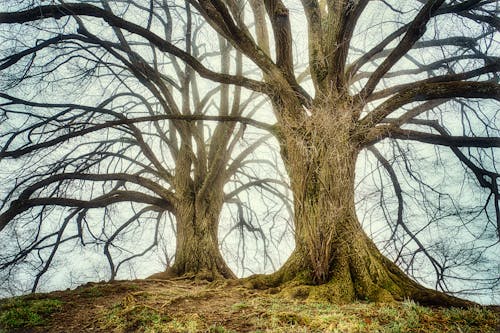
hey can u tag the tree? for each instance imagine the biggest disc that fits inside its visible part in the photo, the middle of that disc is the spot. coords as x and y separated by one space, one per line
398 84
143 141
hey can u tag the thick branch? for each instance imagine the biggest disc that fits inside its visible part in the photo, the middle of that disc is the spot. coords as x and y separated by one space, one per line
136 179
429 91
493 68
280 21
342 20
445 63
18 207
317 63
444 140
415 31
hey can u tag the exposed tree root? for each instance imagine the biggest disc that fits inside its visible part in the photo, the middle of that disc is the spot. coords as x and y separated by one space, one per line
206 275
200 265
355 277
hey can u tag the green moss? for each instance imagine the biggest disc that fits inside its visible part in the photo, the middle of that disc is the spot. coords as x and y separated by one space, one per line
292 319
260 281
303 277
332 292
380 295
391 287
17 313
297 292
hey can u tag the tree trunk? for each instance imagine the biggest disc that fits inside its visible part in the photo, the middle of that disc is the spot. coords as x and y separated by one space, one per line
197 249
334 259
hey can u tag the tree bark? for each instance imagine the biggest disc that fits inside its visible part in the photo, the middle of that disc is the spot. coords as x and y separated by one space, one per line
334 259
197 249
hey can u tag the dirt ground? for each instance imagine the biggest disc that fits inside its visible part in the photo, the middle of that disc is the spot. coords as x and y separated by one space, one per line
185 305
84 309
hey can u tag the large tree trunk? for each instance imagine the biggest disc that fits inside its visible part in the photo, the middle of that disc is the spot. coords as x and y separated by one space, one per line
197 248
197 213
334 259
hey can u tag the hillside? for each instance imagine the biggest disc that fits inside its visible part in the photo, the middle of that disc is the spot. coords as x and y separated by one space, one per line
200 306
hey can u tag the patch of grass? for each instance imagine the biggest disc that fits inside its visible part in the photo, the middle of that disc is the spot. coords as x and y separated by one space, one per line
184 306
403 317
181 326
219 329
474 318
239 306
18 313
282 315
131 316
92 292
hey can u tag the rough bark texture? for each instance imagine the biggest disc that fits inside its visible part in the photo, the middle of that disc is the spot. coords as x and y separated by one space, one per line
197 249
334 259
197 219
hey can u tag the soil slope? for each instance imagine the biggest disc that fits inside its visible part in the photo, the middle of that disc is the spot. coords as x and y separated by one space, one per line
185 305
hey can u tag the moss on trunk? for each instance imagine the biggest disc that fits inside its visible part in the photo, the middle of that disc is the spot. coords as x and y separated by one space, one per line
334 259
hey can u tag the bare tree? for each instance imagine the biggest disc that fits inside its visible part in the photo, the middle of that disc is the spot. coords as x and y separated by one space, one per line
375 81
131 140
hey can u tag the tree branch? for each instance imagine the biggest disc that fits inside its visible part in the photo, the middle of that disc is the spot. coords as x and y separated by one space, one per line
415 31
17 207
443 140
71 9
109 124
429 91
493 68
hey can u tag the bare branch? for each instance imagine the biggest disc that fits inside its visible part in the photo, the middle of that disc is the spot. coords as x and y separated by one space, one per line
59 11
430 91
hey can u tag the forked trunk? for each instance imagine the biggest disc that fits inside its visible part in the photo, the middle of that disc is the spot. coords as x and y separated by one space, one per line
334 259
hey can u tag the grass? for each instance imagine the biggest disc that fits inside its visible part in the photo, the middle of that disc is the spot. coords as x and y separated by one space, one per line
130 315
369 317
190 306
18 312
273 314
